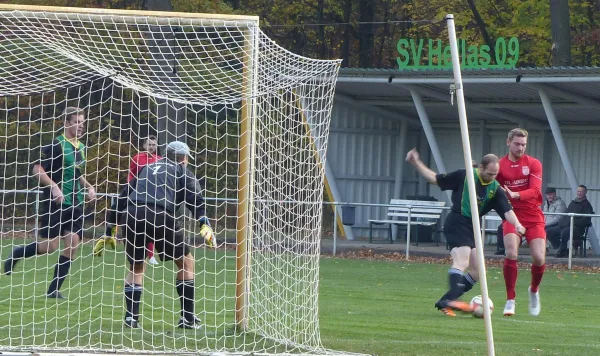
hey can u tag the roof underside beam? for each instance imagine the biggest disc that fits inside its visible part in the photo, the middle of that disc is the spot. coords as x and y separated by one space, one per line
385 113
565 94
491 104
503 114
468 80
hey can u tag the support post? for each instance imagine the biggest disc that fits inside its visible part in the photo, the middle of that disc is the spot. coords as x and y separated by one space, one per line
571 222
408 232
335 215
560 143
564 157
399 179
246 169
433 145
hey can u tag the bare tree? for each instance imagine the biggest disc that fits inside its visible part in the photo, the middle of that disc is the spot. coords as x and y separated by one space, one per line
561 35
482 28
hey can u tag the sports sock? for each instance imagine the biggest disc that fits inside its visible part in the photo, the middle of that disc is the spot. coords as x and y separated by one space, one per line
537 272
186 289
510 277
133 295
465 284
455 285
468 282
61 270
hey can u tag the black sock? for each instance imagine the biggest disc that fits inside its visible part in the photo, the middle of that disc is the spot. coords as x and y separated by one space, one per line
60 273
25 251
133 296
454 280
186 289
468 283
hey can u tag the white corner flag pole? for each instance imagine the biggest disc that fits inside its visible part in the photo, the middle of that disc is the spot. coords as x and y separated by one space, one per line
464 131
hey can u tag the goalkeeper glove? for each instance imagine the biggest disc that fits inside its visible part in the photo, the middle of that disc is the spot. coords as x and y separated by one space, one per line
109 239
209 236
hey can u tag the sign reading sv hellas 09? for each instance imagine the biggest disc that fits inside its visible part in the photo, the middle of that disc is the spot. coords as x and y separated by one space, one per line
433 54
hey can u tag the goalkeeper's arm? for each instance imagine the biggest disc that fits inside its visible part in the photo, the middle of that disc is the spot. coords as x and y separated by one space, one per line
195 202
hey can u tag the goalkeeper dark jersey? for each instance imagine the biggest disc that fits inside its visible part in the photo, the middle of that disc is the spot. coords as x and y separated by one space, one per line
64 162
163 184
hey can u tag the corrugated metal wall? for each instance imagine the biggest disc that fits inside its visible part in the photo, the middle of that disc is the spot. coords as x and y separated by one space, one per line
363 154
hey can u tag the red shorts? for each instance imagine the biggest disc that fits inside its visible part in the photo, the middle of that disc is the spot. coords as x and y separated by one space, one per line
535 230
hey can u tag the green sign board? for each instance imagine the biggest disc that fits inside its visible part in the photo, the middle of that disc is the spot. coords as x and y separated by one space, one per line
432 54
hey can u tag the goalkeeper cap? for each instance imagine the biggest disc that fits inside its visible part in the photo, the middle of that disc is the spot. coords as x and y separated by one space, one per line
180 148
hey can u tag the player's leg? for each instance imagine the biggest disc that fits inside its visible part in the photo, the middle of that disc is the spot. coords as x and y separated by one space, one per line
186 291
537 245
468 278
460 262
72 230
471 276
150 253
171 244
511 246
49 232
133 287
135 249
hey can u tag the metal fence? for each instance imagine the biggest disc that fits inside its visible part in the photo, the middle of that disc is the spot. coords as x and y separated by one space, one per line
336 205
483 222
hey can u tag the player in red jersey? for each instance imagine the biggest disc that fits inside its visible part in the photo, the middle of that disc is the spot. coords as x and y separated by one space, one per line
137 162
521 177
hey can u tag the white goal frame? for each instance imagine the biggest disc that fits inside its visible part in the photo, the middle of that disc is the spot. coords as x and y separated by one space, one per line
248 137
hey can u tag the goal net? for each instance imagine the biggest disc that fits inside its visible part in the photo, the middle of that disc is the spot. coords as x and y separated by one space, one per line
256 119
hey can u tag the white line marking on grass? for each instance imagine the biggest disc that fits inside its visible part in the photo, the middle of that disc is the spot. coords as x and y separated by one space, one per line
550 323
437 342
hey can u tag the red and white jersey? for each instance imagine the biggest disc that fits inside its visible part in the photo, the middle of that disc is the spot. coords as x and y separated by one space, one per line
140 160
523 176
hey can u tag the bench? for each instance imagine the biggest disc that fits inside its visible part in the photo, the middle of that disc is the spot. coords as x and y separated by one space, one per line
409 212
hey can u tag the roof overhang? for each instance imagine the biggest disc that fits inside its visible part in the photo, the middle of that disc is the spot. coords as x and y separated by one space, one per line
493 95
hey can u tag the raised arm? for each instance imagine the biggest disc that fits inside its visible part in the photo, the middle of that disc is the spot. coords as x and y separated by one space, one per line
412 157
193 197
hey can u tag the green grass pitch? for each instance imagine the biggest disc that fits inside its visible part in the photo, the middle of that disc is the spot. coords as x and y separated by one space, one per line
372 307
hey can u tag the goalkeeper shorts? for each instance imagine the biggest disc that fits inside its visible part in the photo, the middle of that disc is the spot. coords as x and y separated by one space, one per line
153 224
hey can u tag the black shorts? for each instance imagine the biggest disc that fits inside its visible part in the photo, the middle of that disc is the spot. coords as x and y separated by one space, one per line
152 224
458 231
56 220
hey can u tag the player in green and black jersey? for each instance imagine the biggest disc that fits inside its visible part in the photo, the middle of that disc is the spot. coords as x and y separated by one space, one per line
60 172
458 227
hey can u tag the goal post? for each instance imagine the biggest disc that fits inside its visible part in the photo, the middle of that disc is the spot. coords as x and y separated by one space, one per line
256 118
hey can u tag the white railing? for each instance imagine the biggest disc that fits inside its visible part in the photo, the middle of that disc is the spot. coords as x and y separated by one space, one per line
335 214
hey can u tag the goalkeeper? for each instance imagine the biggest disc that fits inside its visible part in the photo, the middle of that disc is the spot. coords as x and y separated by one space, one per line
147 207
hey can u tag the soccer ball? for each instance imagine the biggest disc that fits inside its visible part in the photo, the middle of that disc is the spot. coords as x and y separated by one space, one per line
477 306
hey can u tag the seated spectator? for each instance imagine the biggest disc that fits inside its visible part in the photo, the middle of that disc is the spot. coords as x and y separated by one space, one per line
579 205
553 204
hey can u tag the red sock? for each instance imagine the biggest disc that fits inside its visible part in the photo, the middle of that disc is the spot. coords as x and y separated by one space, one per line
150 247
510 277
537 272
